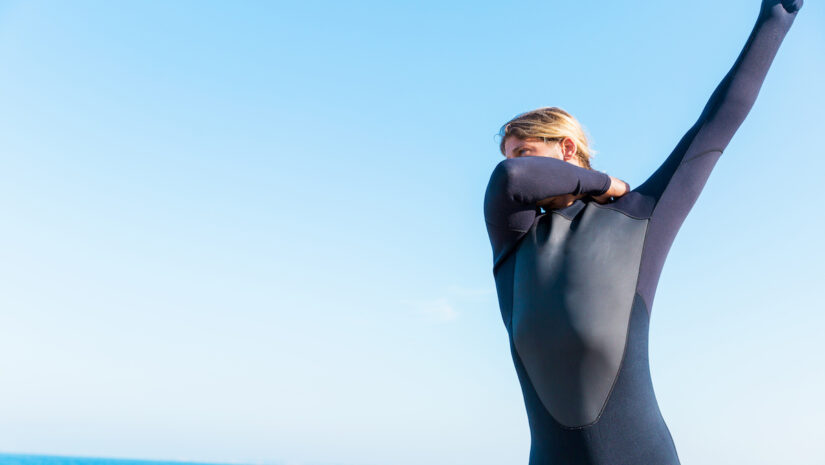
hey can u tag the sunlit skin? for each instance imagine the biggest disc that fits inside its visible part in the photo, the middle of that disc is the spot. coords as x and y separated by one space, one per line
564 149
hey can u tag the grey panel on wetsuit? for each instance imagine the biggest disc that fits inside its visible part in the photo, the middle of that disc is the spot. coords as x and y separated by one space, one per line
574 283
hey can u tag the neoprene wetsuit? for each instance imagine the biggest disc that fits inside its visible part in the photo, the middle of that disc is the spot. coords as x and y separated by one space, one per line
576 285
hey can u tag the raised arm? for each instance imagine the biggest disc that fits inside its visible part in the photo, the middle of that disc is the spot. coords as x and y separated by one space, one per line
728 106
669 194
518 185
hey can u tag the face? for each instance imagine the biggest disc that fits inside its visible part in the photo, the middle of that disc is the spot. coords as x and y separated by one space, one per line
535 147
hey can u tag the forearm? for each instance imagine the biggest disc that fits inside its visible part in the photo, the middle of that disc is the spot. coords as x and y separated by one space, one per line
733 99
529 180
729 104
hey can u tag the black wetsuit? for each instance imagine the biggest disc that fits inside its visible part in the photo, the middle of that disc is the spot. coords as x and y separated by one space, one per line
576 285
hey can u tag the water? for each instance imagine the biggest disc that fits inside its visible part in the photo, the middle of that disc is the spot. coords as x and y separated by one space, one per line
25 459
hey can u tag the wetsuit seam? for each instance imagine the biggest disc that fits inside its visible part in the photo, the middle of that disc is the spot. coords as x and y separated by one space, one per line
509 251
682 162
563 215
607 207
702 154
504 227
648 309
514 244
624 349
644 301
513 299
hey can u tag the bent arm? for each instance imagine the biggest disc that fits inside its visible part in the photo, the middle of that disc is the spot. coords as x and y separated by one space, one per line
518 185
521 184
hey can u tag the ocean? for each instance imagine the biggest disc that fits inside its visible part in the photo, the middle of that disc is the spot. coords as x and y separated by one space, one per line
26 459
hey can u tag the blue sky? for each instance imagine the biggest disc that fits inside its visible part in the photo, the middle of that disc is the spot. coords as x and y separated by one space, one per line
252 231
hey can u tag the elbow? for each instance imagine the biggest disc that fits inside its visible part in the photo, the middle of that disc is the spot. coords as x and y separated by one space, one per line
506 176
502 173
510 170
506 168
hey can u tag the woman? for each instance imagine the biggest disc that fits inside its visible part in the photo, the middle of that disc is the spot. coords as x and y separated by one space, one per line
576 284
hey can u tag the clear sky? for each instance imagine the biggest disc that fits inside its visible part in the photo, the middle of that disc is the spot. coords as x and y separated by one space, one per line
252 231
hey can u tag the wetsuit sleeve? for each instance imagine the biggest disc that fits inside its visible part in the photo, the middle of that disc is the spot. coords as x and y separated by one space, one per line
517 185
672 190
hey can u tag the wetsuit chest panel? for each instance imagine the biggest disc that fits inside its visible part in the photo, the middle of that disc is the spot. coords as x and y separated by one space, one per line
573 288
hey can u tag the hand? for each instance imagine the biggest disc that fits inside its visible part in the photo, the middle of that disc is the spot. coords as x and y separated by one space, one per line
559 201
789 6
617 189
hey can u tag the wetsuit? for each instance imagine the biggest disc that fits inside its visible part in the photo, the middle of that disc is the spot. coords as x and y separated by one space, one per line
576 285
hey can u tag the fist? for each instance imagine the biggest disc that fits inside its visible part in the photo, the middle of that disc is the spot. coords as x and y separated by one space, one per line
617 189
790 6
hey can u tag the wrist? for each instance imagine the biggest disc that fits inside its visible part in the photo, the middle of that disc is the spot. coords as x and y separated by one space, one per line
617 188
780 10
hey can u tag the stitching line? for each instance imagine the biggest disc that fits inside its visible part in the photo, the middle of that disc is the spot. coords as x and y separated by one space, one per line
505 227
683 162
702 154
513 299
607 207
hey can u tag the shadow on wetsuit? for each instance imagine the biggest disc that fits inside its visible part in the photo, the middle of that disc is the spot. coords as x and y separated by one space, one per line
576 285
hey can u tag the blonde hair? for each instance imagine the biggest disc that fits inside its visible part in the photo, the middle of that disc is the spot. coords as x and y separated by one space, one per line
548 123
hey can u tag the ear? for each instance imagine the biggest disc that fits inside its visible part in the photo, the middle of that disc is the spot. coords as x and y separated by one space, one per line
568 149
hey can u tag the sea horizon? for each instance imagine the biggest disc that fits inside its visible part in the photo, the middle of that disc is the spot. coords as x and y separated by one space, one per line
17 458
